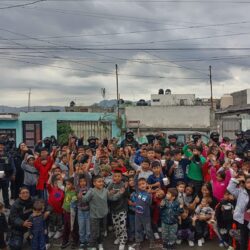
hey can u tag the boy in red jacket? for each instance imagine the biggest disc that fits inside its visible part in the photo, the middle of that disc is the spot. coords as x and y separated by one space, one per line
43 165
55 201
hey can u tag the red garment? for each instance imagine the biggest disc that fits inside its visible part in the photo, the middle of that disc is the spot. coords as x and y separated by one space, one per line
206 171
123 169
155 210
56 197
43 172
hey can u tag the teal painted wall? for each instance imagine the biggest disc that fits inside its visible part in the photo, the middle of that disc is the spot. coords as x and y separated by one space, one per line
49 121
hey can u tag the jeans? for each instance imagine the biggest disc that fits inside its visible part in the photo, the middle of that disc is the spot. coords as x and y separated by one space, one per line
185 234
67 229
169 234
200 228
84 226
4 185
55 222
131 227
38 241
143 224
96 228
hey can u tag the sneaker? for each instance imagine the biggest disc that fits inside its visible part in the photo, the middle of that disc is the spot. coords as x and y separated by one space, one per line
47 246
191 243
51 234
157 236
57 235
135 246
159 229
65 245
203 240
121 247
100 247
82 246
221 244
116 242
73 245
105 234
200 242
178 242
230 248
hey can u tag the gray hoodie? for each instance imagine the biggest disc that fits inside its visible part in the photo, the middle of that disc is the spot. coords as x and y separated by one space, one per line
98 202
242 200
30 174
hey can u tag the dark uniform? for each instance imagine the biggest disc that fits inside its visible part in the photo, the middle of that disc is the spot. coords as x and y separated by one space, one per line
8 167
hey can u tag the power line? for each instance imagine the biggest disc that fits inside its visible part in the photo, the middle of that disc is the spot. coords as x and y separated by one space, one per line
21 5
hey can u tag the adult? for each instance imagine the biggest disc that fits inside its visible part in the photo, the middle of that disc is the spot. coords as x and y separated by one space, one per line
129 140
173 141
18 157
7 172
18 219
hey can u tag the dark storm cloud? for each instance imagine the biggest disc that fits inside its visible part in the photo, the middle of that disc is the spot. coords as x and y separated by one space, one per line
110 24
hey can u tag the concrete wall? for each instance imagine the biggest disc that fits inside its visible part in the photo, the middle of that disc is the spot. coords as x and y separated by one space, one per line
164 117
49 121
241 97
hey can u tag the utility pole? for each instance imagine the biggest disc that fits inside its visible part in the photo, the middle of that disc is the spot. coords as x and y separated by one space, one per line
211 87
29 99
117 90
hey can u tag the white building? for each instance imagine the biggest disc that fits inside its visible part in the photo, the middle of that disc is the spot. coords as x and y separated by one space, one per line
172 99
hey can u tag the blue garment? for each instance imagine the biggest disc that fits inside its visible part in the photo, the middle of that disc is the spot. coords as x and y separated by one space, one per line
180 173
84 226
170 212
152 179
138 158
143 203
37 232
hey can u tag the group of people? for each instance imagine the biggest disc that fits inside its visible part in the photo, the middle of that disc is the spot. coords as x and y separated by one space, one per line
159 192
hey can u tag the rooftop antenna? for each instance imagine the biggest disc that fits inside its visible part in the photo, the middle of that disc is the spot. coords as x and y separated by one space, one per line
29 95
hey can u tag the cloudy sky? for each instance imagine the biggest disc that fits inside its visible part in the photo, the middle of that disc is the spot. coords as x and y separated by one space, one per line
67 49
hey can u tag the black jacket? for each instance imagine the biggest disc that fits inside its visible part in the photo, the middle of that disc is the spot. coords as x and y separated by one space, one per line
20 212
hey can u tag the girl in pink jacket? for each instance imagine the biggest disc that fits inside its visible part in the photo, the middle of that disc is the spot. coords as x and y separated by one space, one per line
220 180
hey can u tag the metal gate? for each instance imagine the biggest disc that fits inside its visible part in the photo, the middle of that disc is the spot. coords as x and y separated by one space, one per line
229 126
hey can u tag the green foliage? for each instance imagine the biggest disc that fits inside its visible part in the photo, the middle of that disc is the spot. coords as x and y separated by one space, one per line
63 132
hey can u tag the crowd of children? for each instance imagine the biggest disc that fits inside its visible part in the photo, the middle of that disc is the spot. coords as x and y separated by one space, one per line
166 194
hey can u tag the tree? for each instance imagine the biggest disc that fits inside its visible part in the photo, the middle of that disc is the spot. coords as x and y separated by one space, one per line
63 132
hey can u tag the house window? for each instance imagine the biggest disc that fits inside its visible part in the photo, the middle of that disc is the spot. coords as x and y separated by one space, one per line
8 133
156 100
32 133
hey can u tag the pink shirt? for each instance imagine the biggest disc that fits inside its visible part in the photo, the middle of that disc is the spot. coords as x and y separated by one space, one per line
219 187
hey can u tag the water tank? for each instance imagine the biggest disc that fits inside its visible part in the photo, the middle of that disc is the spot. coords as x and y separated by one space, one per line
167 92
161 92
226 101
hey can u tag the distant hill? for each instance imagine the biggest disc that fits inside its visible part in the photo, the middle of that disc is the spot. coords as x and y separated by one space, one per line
15 110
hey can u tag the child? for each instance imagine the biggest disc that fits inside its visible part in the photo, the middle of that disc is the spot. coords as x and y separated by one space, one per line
186 228
220 180
170 210
177 169
203 213
38 228
43 165
224 217
55 201
142 215
242 209
83 212
3 228
181 192
131 209
64 165
155 180
69 197
97 198
144 169
119 209
156 221
30 174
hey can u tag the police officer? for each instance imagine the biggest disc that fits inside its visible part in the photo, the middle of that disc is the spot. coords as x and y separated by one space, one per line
215 138
129 140
7 172
173 141
240 143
